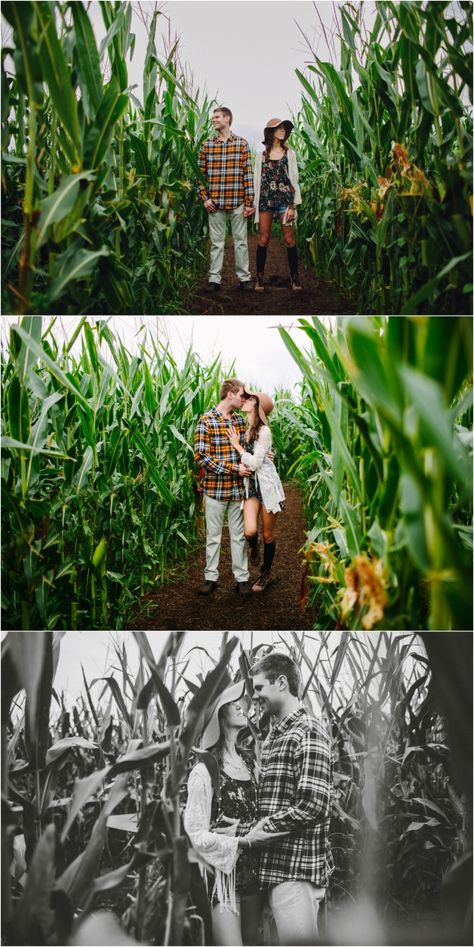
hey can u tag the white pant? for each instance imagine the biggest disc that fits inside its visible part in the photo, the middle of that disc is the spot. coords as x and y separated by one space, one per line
215 513
295 906
217 231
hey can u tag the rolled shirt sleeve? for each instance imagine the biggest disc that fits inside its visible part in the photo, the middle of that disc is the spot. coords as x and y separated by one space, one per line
248 175
203 456
202 190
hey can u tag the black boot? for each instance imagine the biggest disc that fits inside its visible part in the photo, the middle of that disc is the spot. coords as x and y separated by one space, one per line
292 253
260 264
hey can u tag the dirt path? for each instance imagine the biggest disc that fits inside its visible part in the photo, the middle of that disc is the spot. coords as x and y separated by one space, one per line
178 607
318 297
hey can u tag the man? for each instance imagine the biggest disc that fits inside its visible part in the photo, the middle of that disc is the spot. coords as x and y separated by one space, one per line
226 165
294 798
223 485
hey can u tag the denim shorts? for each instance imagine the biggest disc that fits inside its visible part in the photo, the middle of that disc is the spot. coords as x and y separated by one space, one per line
275 210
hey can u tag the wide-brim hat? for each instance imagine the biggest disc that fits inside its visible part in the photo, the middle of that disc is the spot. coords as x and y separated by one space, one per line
265 403
275 122
211 731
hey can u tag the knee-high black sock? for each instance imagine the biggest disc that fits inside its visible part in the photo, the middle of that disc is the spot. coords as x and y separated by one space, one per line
268 556
253 542
292 260
261 258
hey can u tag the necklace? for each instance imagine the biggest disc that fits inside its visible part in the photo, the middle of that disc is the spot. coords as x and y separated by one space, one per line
241 766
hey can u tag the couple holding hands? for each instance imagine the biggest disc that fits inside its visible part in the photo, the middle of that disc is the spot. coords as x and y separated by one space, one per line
233 190
261 832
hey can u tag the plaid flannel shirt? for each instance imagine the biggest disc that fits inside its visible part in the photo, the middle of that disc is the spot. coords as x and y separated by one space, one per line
227 167
214 454
295 793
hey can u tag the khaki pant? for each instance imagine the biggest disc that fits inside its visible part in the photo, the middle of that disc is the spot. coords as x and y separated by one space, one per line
215 513
295 907
217 232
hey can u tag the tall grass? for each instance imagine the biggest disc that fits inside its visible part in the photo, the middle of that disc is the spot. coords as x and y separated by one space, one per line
384 457
93 796
384 136
99 204
99 496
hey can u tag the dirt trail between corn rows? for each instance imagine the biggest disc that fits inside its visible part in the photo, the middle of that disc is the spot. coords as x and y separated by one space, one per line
178 607
318 297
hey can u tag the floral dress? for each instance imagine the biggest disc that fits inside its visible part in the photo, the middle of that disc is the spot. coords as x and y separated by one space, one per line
276 189
239 801
253 487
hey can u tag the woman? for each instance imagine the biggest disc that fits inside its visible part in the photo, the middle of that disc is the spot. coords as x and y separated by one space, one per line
235 899
277 193
263 489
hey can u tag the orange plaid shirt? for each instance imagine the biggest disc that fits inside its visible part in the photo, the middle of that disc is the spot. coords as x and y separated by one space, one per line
215 455
227 167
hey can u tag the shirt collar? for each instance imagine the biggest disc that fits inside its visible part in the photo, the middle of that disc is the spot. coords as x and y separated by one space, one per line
232 417
285 722
224 141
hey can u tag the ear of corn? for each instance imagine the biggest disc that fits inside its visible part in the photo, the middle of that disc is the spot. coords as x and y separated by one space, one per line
381 444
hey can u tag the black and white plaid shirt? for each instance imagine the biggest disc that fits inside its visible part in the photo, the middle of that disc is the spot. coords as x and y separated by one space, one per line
295 793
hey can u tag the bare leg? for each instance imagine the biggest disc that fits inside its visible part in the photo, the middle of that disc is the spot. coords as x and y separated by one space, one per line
226 928
251 511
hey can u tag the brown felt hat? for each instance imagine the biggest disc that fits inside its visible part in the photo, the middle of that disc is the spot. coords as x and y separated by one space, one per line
275 122
210 733
265 403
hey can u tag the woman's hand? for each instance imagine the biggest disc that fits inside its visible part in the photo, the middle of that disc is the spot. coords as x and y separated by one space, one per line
234 438
229 828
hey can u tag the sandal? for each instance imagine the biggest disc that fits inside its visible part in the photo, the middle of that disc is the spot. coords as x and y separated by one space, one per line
259 287
295 283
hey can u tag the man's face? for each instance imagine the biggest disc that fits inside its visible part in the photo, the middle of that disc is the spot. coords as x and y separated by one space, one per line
269 696
237 399
220 121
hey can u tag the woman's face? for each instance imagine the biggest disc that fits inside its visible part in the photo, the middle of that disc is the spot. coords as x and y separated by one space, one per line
233 716
280 133
249 405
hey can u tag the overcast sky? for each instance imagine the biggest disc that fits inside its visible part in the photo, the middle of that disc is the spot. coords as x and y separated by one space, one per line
242 52
253 342
95 651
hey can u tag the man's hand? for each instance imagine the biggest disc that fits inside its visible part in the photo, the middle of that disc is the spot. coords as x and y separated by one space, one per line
248 211
244 471
210 206
271 455
257 836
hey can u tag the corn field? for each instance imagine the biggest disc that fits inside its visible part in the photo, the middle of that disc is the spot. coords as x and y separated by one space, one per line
385 141
100 209
381 444
93 842
100 494
97 194
99 486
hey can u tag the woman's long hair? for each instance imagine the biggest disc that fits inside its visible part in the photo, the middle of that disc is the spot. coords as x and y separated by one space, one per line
268 141
255 424
217 751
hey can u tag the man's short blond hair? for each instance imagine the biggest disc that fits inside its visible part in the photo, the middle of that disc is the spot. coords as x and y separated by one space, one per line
230 384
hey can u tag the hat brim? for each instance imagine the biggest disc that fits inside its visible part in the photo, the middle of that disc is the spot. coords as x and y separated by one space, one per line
261 412
210 733
288 126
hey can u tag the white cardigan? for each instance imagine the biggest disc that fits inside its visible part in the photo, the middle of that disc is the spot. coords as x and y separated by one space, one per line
292 174
219 851
266 475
